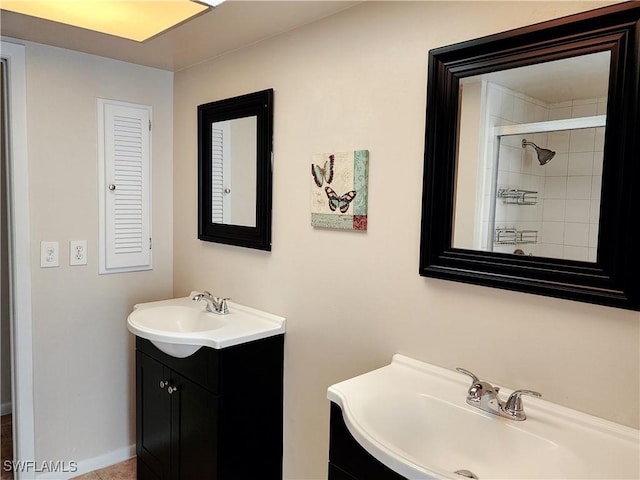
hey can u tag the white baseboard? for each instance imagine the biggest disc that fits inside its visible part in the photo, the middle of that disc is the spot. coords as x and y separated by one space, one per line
5 408
91 464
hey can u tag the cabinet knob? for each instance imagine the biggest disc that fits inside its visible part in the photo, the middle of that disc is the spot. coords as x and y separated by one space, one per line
163 383
172 389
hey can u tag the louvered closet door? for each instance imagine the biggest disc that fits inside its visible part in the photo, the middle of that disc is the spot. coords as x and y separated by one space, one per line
221 193
217 174
127 194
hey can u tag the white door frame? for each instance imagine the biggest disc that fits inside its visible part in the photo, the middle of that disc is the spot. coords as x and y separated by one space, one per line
19 258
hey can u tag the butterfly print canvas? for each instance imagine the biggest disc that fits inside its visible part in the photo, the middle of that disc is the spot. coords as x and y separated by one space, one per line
333 174
320 174
342 202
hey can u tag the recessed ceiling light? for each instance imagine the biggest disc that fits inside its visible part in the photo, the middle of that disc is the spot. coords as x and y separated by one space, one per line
211 3
133 19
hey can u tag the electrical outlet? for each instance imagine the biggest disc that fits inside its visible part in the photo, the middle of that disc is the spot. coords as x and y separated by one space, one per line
77 252
49 254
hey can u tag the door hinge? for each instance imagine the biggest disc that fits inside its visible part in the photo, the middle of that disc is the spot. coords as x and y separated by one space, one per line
149 125
149 243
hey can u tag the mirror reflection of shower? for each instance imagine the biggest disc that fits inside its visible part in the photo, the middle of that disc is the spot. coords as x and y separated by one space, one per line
552 211
544 154
540 197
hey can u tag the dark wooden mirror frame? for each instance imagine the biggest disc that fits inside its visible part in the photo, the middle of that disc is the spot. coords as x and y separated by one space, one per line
614 278
259 104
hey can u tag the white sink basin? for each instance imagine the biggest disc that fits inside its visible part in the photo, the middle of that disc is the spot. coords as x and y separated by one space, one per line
178 319
413 418
181 326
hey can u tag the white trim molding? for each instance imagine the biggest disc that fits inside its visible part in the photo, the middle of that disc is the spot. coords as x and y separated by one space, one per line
91 464
19 242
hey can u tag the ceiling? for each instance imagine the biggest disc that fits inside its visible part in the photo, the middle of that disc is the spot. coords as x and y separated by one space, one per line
232 25
571 78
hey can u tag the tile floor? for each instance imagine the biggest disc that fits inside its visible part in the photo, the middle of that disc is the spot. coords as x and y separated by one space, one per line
120 471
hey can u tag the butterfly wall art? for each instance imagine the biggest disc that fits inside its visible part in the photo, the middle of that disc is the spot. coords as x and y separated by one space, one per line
339 191
342 202
323 174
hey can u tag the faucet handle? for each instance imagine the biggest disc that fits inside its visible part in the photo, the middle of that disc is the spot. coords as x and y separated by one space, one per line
224 308
476 389
474 379
513 405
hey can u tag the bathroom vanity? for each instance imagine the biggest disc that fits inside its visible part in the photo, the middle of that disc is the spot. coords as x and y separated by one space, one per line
208 392
216 414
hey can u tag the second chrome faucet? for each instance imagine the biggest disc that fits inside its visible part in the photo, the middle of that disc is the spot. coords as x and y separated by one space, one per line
484 396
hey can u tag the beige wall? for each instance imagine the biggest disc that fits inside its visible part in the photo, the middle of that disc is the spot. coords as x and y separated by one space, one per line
358 81
83 354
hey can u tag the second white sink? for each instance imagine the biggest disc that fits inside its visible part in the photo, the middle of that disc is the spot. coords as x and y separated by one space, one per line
413 418
179 327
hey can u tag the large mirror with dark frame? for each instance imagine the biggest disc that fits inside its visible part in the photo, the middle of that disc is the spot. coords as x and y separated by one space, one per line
532 159
234 170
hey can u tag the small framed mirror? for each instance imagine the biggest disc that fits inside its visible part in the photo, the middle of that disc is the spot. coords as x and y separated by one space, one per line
532 159
234 170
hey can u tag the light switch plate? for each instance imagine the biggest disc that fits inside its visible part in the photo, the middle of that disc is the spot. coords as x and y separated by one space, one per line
49 254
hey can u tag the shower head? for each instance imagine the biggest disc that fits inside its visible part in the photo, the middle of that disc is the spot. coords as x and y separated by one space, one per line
544 154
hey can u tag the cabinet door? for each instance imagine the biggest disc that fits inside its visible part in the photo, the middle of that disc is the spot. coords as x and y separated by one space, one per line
347 456
194 431
153 418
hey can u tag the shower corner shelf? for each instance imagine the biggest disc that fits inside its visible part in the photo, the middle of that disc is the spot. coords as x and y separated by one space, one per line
515 196
512 236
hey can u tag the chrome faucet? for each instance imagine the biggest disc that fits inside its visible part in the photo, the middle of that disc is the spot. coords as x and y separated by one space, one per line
484 396
214 304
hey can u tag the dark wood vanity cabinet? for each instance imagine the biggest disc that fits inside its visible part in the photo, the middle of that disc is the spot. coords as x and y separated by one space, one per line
215 415
348 460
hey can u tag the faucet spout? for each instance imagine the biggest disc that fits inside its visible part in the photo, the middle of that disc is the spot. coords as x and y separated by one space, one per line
214 304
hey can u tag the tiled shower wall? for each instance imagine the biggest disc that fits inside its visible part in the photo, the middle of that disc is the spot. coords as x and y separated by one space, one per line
566 214
573 183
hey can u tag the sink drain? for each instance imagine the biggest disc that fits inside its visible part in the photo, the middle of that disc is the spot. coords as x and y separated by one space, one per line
466 474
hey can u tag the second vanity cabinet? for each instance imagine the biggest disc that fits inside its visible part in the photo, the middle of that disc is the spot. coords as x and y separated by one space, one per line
215 415
348 460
